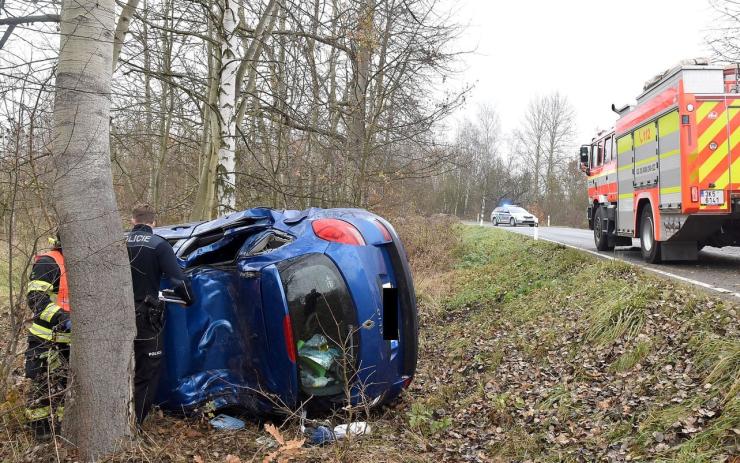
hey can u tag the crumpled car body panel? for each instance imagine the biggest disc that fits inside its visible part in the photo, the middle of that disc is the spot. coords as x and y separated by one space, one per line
232 348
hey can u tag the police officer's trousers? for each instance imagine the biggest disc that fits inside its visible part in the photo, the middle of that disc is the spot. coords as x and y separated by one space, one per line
148 356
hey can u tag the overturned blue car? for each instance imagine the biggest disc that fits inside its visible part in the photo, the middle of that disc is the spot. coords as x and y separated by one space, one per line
291 306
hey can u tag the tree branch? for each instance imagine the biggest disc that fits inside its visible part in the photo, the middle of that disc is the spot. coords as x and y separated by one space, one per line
42 18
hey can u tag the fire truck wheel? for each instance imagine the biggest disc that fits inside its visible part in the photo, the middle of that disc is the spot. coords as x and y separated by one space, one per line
601 240
649 246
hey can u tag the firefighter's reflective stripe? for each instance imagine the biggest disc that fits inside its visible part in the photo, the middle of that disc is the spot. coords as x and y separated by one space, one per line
39 413
40 285
48 334
48 313
52 359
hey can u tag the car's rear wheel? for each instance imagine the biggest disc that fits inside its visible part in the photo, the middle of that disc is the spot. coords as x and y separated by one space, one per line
512 222
601 240
649 246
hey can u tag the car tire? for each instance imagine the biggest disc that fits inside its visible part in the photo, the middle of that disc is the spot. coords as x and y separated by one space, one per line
512 222
601 239
495 222
649 246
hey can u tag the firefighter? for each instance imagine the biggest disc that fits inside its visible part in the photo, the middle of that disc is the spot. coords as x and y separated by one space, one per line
151 257
47 355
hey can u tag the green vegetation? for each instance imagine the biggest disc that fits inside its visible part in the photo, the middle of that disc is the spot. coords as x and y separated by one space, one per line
574 357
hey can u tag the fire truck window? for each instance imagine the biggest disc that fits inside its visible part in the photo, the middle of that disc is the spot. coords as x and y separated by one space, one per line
593 157
600 153
608 148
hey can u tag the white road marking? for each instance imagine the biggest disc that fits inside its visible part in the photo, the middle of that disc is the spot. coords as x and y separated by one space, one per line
645 267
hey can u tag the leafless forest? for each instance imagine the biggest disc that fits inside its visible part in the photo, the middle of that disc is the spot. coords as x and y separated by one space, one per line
286 104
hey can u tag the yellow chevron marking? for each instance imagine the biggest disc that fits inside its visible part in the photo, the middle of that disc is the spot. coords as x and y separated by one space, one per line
704 109
626 196
724 180
625 167
733 173
719 154
711 132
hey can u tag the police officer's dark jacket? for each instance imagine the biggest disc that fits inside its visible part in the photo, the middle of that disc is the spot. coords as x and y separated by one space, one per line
151 257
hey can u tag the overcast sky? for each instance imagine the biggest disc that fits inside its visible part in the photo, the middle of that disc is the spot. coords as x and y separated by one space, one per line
595 52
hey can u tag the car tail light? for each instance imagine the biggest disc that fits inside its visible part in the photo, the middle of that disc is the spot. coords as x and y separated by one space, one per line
337 231
383 230
694 194
288 334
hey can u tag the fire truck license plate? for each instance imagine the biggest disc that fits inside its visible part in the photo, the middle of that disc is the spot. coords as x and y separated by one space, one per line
712 197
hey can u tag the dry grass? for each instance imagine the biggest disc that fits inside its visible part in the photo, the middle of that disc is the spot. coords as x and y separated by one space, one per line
432 243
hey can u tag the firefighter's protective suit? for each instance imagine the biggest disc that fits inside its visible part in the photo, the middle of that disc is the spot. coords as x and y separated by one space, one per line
47 355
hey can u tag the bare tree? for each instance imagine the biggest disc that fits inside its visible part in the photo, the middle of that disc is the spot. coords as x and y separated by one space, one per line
724 37
544 141
99 277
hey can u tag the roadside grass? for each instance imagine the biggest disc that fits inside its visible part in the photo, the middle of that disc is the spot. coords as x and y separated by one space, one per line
566 357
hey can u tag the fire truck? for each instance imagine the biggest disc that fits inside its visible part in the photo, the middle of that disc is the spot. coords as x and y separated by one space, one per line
669 172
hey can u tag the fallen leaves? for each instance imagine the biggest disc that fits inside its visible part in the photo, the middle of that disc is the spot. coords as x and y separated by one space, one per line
287 449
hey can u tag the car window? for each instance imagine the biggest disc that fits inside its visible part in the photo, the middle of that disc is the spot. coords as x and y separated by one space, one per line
318 299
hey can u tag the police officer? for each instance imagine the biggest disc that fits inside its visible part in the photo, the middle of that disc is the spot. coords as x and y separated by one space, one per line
47 355
151 257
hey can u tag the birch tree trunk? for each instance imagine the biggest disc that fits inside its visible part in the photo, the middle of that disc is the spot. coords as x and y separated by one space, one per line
124 21
98 411
227 111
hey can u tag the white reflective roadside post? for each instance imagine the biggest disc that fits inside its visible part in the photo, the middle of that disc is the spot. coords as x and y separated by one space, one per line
536 233
548 220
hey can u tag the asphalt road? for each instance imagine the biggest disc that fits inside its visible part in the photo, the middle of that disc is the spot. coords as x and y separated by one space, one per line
717 270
